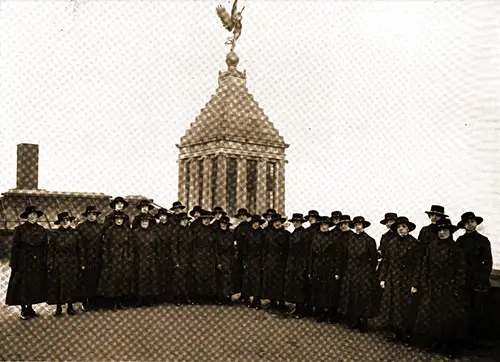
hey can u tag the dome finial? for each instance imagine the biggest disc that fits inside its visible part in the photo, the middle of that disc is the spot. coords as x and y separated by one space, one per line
232 59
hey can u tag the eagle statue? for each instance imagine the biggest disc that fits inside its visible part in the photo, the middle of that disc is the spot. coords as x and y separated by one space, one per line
231 22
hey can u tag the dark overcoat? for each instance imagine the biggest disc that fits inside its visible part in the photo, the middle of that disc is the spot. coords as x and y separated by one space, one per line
359 280
401 270
225 258
252 262
324 259
182 259
204 261
441 312
479 262
109 220
28 262
274 263
91 234
147 274
64 262
166 250
384 242
117 263
297 266
240 237
427 234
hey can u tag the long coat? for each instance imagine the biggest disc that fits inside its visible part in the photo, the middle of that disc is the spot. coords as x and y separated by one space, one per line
478 258
252 262
91 234
324 259
441 312
297 266
427 234
401 270
147 274
28 262
274 263
64 262
359 280
110 220
204 261
117 258
166 250
240 237
384 242
225 258
182 259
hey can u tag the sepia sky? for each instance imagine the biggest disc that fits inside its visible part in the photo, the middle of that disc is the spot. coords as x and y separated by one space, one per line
386 105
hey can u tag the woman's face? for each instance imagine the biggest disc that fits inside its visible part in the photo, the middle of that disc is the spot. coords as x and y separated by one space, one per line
344 226
256 225
444 234
119 206
32 217
470 225
359 227
389 223
65 222
91 217
144 224
277 224
163 218
224 226
403 229
206 221
297 224
323 227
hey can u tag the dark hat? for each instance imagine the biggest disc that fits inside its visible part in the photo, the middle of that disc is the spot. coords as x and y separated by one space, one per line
62 216
336 214
242 211
389 216
91 209
119 214
277 217
177 205
257 218
163 211
28 210
144 203
403 220
225 220
197 208
345 218
182 215
324 220
116 200
142 217
446 224
312 213
437 209
269 212
206 214
359 219
469 215
297 217
219 210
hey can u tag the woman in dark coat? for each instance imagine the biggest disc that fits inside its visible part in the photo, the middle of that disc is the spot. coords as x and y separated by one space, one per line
225 259
115 281
240 237
182 256
64 263
399 277
276 241
204 260
28 262
165 254
252 261
359 280
441 314
297 266
324 271
118 204
91 233
147 275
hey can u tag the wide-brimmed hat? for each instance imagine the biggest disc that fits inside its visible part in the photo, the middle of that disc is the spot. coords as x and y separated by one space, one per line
205 214
389 216
257 218
297 217
469 215
336 214
197 208
91 209
177 205
182 215
325 220
360 219
117 200
219 210
142 217
311 213
225 220
269 212
242 211
446 224
437 209
62 216
277 217
28 210
163 211
345 218
403 220
143 203
119 215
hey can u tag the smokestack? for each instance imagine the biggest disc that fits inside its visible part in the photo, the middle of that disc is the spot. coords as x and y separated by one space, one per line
27 166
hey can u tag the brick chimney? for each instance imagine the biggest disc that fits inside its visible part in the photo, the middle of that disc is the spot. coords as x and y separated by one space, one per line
27 166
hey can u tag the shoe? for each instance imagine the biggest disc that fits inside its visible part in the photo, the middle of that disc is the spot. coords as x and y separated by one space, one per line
70 311
24 315
58 312
32 313
393 337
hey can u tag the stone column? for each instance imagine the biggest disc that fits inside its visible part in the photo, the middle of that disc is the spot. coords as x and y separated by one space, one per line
181 186
207 190
193 187
261 186
280 186
221 181
241 183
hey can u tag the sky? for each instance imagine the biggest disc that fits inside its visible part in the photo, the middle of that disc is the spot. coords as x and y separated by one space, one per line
386 105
